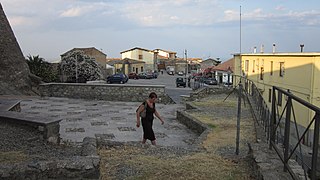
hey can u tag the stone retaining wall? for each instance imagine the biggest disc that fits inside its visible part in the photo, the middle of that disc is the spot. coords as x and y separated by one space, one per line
195 125
107 92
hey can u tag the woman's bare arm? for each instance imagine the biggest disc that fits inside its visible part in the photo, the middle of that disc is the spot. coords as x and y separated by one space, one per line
158 116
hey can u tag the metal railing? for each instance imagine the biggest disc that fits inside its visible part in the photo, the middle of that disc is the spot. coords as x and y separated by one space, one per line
281 131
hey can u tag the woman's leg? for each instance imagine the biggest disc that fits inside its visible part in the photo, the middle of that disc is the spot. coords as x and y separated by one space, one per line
143 140
153 142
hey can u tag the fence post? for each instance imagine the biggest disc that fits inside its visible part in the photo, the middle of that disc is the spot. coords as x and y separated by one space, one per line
315 145
273 118
287 133
238 119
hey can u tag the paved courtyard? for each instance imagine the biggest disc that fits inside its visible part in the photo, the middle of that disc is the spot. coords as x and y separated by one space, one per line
115 121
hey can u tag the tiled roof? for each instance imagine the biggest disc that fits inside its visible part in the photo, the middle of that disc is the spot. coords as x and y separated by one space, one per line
165 51
82 49
121 61
225 66
134 49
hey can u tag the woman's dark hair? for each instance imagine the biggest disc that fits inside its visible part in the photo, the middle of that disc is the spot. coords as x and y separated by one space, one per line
153 95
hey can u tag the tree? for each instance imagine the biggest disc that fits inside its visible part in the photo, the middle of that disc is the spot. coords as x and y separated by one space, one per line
77 67
39 67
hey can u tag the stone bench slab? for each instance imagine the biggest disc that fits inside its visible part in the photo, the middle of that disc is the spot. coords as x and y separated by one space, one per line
48 126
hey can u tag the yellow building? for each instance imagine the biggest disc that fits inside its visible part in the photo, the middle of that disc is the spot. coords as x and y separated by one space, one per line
127 65
148 56
297 72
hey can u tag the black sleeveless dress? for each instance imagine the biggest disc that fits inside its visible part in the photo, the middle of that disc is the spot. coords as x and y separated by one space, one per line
147 123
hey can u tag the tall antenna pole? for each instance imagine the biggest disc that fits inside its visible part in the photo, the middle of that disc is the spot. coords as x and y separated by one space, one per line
240 29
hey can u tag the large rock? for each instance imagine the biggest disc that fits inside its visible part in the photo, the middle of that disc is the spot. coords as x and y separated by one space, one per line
14 70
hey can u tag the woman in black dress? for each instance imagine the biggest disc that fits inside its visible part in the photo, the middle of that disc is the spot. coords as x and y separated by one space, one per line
148 120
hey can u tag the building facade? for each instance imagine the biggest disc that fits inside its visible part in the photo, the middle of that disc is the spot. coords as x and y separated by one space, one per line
141 54
166 54
297 72
224 71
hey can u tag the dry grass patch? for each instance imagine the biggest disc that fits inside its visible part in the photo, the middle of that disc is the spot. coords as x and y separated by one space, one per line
203 165
12 157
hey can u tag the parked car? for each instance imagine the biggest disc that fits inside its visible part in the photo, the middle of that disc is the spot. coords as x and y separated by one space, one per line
180 82
155 74
144 75
133 75
180 73
210 81
117 78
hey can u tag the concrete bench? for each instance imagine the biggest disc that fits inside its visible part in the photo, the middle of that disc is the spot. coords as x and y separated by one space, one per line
47 126
10 105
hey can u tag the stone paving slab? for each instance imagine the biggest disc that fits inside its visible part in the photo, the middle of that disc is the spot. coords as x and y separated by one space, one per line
115 121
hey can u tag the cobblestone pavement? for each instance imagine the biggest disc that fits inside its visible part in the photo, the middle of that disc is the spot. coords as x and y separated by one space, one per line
113 121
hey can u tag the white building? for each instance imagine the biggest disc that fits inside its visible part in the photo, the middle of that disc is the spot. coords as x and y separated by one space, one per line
223 72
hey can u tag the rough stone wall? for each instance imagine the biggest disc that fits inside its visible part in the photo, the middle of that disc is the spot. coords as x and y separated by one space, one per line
108 92
14 70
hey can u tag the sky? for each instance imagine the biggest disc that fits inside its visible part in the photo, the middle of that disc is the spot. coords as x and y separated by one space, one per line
205 28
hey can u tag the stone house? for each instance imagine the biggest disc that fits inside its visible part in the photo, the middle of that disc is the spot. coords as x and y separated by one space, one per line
100 57
208 63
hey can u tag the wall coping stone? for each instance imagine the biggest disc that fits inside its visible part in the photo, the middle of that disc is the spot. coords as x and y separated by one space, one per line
99 84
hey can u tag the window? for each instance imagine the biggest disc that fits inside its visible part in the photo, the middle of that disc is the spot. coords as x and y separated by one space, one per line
141 69
270 94
279 98
271 68
140 56
281 72
253 65
261 73
246 66
133 69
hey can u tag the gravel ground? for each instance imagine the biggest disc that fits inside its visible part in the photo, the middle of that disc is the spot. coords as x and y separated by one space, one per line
26 140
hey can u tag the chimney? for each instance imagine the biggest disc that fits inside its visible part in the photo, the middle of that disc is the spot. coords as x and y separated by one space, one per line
273 48
262 48
254 49
301 47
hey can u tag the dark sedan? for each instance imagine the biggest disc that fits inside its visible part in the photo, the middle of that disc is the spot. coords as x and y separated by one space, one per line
117 78
210 81
145 76
180 82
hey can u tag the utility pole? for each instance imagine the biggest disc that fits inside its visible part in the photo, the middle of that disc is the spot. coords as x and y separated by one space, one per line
186 71
239 99
238 119
76 68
